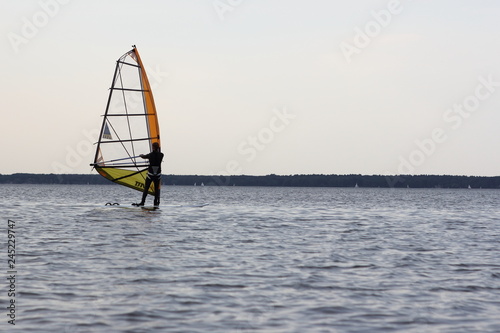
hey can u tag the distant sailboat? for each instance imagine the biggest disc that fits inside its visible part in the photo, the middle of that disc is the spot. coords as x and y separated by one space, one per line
129 126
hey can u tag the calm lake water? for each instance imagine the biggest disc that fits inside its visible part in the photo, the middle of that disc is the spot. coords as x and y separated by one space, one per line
253 260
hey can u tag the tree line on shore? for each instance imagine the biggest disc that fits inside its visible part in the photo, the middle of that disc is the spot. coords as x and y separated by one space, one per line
315 180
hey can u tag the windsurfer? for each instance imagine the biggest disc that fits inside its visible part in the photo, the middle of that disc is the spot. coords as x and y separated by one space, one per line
154 174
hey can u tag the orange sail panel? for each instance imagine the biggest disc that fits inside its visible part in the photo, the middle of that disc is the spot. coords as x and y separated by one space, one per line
154 128
129 126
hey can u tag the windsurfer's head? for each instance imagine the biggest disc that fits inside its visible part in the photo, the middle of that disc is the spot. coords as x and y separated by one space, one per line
156 146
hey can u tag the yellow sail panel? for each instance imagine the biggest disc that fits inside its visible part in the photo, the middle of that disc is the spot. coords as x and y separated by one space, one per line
129 178
154 128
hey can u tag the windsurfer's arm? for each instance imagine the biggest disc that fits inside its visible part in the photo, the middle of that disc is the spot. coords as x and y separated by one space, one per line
143 156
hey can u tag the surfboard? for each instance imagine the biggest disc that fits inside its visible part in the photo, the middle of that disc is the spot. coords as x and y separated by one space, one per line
150 207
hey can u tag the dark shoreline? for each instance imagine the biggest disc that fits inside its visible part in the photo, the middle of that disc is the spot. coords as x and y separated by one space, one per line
400 181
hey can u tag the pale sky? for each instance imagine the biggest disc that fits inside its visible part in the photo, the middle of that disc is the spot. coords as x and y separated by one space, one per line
262 86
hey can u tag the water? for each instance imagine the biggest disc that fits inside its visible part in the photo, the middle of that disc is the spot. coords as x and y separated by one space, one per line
254 260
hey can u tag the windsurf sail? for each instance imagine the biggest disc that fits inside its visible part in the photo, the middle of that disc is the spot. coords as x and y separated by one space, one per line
129 126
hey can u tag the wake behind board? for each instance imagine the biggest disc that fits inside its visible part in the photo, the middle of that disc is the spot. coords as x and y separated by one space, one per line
172 206
150 207
132 206
190 206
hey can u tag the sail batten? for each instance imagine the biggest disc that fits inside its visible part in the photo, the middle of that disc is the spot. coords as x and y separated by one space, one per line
126 63
127 140
124 89
130 125
130 114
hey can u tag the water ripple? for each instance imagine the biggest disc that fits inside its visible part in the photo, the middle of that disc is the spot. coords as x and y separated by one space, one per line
256 260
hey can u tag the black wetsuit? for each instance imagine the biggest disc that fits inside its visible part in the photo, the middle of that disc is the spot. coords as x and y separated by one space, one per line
154 175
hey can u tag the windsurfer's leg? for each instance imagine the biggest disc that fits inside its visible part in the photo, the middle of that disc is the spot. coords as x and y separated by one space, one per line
145 192
157 191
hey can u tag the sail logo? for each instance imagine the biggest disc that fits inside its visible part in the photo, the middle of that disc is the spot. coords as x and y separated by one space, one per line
106 134
139 184
31 27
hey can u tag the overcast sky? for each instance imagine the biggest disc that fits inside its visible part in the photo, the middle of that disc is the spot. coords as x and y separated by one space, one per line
261 86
